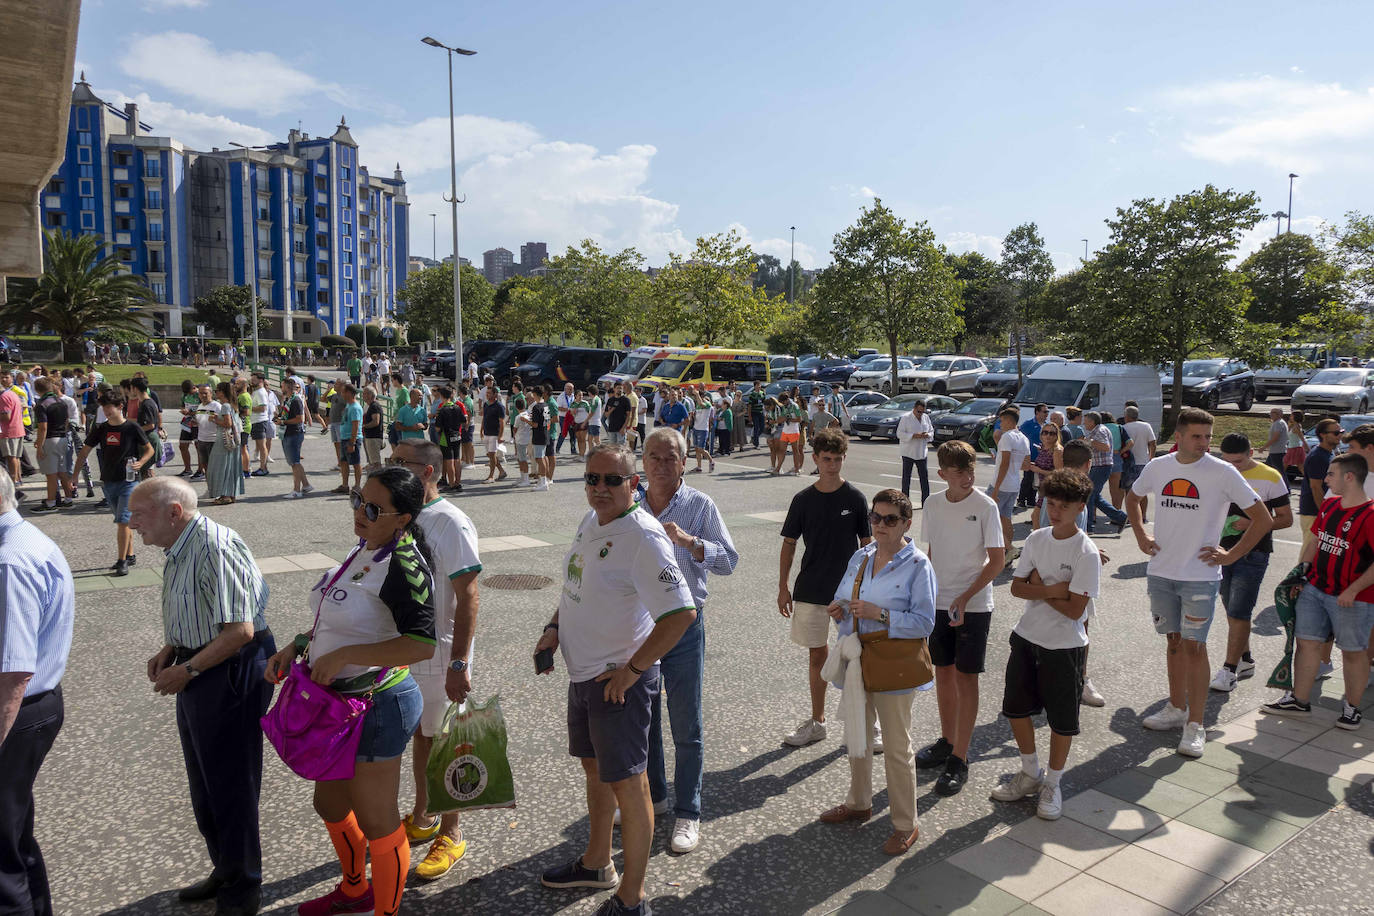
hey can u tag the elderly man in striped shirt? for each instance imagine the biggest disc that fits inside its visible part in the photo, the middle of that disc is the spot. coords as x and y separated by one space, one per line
701 544
216 647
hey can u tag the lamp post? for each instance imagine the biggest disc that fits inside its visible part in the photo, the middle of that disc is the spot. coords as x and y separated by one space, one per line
1291 176
1278 222
434 237
792 270
452 198
1085 250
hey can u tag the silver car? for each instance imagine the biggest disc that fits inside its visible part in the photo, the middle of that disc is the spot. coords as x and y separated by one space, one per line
876 374
945 374
1337 390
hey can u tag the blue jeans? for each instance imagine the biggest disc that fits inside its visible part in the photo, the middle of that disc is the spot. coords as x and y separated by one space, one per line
1240 585
1182 607
756 417
682 670
1099 475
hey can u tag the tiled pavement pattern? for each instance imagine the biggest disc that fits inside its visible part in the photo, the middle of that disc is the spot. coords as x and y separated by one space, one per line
1173 835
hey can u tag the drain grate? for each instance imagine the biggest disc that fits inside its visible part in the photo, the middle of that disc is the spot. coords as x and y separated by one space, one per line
518 583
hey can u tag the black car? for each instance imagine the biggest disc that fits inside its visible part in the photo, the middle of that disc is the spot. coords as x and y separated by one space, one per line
555 366
9 351
795 388
1210 383
499 363
429 363
881 419
833 369
968 420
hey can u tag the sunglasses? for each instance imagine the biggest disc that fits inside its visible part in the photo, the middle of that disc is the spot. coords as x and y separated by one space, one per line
889 521
371 511
612 480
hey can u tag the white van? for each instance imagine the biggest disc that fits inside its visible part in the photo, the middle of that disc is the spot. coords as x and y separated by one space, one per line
1093 386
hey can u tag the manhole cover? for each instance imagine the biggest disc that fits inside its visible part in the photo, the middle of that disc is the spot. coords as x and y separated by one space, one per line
525 582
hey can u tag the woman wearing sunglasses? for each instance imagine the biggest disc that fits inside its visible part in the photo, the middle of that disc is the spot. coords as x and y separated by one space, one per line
375 617
897 594
1049 459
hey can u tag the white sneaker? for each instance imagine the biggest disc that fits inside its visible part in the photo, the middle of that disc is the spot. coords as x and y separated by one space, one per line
808 732
1193 740
307 489
686 835
294 494
662 807
877 738
1244 669
1170 717
1020 786
524 480
1091 696
1224 681
542 485
1051 803
533 481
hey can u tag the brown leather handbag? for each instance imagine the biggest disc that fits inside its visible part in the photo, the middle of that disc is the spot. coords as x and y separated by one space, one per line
889 663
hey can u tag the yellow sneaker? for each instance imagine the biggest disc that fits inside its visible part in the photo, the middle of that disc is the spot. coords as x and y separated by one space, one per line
416 834
443 855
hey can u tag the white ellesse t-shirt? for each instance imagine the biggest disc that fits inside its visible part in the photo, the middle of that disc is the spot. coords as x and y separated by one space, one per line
1074 560
259 413
958 536
1190 509
452 540
907 426
1141 435
618 580
1014 443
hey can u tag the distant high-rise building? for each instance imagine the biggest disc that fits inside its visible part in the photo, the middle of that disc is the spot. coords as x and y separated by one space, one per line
498 265
533 255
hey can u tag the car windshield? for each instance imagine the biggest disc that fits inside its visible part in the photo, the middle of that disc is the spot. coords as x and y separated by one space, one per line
881 365
633 365
866 359
902 403
1203 367
978 407
1051 391
673 368
811 363
838 361
935 365
1339 377
1005 366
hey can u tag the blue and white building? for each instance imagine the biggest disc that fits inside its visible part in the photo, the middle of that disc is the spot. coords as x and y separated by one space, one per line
324 242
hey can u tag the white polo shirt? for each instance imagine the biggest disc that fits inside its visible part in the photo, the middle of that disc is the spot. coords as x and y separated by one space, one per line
619 579
452 540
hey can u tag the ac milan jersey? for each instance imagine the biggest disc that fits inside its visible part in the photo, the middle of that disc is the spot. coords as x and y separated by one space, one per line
1345 547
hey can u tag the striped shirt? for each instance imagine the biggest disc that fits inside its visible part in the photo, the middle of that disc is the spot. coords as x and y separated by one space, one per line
37 605
1345 547
210 580
696 513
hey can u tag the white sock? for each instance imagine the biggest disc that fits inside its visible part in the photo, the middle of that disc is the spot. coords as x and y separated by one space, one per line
1030 764
1348 710
1052 777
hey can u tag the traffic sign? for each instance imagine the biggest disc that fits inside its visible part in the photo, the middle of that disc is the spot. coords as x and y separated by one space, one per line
200 330
388 333
663 339
240 320
626 340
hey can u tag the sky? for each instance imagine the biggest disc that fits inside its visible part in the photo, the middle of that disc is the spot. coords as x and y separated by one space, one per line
650 125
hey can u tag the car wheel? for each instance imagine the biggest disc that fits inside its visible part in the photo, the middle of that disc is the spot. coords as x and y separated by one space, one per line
865 436
1364 406
1212 401
1261 394
1247 399
886 387
938 388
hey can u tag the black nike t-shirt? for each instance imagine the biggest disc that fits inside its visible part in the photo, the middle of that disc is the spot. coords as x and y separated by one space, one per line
617 412
115 445
829 526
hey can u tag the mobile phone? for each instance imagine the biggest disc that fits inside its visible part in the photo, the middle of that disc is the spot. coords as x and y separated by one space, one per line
543 661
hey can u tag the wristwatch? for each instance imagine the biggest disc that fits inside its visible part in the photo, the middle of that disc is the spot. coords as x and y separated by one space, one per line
698 544
882 616
458 665
191 670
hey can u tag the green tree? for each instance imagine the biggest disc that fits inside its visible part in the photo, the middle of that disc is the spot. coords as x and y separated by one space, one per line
597 292
892 282
428 302
769 275
80 290
1291 276
1162 289
715 293
1027 268
1352 246
794 329
530 311
988 300
220 307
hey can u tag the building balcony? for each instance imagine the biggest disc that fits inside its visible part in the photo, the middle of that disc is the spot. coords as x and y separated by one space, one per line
119 174
158 244
301 284
121 206
154 180
155 273
121 238
152 208
322 254
52 200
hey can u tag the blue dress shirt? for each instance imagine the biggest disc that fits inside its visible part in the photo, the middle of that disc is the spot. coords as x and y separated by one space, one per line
906 587
37 604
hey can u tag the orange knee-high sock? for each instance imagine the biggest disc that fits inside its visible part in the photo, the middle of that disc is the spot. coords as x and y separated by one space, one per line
351 846
390 862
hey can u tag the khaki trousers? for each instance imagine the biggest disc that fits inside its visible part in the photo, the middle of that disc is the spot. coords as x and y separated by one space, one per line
893 711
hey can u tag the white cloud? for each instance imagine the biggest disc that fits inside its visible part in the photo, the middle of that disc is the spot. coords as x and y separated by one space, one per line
866 191
781 248
422 147
986 245
1282 123
1132 109
154 5
193 129
248 80
1252 240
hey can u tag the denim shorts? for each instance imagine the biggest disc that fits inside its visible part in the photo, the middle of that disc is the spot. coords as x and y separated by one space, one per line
1185 608
291 446
118 494
701 438
1006 501
522 453
1319 618
350 451
615 734
1240 584
593 430
391 721
335 432
1116 462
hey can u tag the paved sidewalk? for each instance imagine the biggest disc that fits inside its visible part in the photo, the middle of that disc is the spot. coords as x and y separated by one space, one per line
1165 836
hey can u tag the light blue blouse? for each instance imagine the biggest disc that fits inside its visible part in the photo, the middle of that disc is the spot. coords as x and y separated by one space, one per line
906 587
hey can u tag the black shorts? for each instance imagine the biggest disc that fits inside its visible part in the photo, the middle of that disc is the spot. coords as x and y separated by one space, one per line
187 435
450 452
466 436
259 431
549 448
964 646
1048 680
615 734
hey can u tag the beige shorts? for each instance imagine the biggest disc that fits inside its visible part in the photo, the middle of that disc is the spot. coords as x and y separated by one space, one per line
810 625
373 450
436 702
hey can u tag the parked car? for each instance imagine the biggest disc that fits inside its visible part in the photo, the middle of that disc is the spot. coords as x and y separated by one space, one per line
1210 383
943 374
1337 390
832 369
782 366
968 420
429 363
854 397
1280 380
10 351
1093 386
877 374
554 366
881 419
1000 381
798 388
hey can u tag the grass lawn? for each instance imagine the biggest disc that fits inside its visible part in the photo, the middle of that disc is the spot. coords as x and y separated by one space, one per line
157 375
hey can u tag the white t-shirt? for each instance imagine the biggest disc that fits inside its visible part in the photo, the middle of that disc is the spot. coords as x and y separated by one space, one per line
1190 509
618 580
260 400
206 430
643 409
452 540
523 431
1015 444
1141 435
384 366
958 536
597 404
1074 560
909 425
701 419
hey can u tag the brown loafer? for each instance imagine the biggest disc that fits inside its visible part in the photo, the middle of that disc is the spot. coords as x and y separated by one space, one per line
841 813
900 841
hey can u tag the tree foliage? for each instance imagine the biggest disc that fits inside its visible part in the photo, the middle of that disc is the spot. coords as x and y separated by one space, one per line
1353 248
1027 268
713 292
795 329
596 292
987 298
1289 277
428 302
219 309
80 290
528 312
889 280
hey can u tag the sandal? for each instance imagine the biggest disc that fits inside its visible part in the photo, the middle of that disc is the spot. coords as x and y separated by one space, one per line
224 501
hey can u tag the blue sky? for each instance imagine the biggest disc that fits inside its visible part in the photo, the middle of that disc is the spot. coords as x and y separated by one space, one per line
648 124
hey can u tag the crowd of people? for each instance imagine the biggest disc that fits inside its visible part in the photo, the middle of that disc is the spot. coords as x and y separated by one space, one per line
880 610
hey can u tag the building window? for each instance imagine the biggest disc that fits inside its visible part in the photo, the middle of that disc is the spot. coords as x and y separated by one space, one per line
57 220
321 240
321 183
85 187
155 232
159 291
348 272
348 285
347 217
348 244
124 191
152 168
264 213
300 298
125 254
88 203
322 297
305 327
84 137
83 121
83 154
56 186
120 159
87 220
300 214
86 171
348 299
154 199
344 173
155 262
347 256
321 212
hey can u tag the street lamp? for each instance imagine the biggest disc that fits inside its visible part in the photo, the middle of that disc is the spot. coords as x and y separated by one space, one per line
434 237
1278 222
792 270
1085 250
452 198
1291 176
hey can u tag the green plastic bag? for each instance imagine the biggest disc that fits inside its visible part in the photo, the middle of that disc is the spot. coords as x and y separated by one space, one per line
468 767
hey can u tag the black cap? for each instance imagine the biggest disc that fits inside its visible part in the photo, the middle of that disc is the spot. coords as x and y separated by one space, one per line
1235 444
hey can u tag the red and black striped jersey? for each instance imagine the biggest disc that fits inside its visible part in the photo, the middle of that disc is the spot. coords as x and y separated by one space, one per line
1345 547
